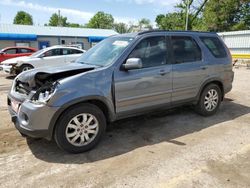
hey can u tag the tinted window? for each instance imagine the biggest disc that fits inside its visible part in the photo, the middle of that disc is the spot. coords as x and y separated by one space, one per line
71 51
10 51
74 51
152 51
66 51
215 46
185 49
24 50
54 52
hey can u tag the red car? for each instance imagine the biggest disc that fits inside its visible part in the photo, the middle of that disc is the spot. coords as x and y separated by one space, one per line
11 52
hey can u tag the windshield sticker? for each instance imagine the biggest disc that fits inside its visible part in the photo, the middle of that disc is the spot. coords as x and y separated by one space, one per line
120 43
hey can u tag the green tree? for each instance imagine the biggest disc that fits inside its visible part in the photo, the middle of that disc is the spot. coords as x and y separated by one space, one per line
227 15
177 20
220 15
170 21
144 24
23 18
242 18
73 25
122 28
56 20
101 20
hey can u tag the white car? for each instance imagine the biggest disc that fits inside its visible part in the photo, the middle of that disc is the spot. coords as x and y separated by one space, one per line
51 56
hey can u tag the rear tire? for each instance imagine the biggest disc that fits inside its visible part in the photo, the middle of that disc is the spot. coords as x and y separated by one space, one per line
209 101
80 128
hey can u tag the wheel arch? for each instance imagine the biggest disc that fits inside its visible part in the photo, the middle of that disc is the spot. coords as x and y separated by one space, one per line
216 81
108 113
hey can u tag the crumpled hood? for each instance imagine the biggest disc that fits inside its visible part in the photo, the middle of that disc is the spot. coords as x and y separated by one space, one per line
50 74
14 60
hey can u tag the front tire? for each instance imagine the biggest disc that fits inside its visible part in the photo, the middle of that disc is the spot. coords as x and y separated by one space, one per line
25 68
209 101
80 128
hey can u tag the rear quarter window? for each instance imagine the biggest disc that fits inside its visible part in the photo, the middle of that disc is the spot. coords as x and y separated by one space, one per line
215 46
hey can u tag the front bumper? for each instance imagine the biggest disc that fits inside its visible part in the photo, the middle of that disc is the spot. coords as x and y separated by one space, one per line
8 69
31 119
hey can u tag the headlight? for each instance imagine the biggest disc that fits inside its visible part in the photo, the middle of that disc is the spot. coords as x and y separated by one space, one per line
12 64
44 93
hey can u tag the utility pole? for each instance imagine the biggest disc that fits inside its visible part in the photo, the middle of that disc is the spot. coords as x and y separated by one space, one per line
187 15
59 18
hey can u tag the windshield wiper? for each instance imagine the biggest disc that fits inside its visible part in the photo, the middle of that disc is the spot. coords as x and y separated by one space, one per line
82 62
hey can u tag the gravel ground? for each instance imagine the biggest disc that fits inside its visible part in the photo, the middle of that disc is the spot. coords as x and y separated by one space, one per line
177 148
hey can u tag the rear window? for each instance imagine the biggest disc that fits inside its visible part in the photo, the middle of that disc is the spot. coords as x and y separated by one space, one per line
215 46
25 50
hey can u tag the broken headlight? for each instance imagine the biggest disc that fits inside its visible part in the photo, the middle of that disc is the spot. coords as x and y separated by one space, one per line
43 94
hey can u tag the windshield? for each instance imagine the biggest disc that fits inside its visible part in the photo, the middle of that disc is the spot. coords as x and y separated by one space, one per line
105 52
38 52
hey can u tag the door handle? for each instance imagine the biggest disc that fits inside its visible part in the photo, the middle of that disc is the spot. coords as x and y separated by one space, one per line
204 67
163 72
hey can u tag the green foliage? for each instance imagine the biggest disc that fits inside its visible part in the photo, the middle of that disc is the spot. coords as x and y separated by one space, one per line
23 18
144 24
227 15
242 18
170 21
212 15
122 28
73 25
56 20
101 20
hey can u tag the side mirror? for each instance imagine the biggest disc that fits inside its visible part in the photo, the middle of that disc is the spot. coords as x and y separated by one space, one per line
2 53
132 63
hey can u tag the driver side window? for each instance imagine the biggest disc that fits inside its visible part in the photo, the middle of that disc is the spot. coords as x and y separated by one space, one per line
152 51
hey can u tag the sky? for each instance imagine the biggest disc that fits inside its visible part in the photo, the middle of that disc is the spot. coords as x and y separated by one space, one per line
80 11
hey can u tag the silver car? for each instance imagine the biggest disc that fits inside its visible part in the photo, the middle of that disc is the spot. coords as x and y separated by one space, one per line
122 76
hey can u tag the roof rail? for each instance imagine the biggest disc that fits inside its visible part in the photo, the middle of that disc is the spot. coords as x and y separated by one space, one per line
152 30
161 30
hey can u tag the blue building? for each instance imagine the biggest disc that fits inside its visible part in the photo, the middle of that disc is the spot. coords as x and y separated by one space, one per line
45 36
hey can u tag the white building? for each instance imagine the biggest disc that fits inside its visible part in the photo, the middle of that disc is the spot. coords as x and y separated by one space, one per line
238 42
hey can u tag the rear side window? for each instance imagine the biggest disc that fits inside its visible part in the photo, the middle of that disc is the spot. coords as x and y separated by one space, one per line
215 46
74 51
24 50
71 51
185 49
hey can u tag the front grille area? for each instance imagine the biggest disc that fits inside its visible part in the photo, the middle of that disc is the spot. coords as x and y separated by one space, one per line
8 101
22 88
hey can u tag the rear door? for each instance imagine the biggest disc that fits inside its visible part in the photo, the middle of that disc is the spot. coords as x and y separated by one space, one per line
24 52
149 86
51 57
189 68
71 54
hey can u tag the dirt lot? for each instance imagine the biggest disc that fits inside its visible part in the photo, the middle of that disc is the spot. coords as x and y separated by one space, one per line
172 149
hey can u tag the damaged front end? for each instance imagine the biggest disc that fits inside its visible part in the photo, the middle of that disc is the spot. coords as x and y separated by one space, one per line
39 87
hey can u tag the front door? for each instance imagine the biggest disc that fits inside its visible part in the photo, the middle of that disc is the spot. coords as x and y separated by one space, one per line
149 86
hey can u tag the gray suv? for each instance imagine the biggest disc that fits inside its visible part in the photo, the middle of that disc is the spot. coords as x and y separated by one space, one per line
122 76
